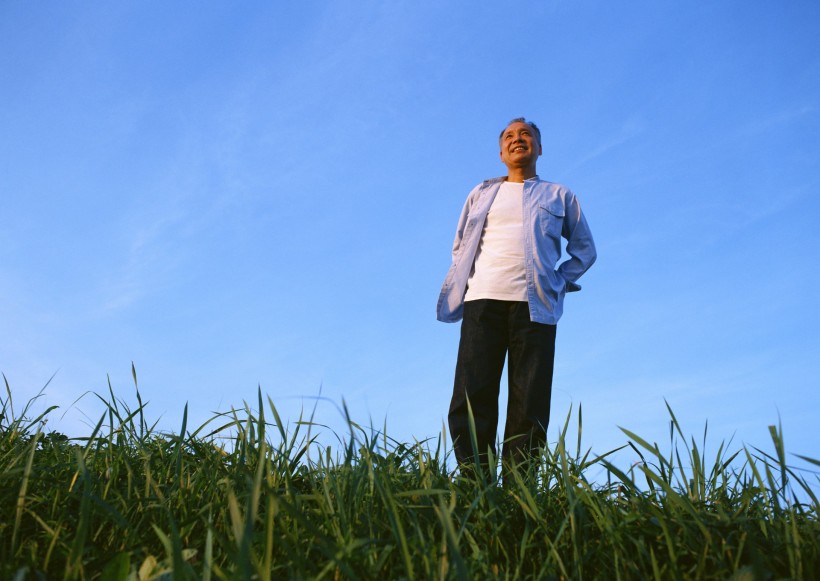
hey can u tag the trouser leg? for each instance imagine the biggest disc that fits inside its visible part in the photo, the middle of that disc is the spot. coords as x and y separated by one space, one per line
531 359
481 352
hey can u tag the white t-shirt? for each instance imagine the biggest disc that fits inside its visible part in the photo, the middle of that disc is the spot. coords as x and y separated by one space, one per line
499 271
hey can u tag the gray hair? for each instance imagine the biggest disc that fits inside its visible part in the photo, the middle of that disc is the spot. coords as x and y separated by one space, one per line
522 120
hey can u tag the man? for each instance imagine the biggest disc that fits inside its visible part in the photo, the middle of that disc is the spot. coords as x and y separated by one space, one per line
504 283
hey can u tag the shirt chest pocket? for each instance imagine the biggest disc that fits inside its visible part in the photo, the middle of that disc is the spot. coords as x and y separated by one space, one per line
552 220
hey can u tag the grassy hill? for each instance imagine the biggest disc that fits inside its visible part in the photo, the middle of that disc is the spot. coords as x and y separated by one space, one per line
241 498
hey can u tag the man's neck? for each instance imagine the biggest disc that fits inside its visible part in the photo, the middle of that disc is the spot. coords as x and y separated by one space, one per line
515 174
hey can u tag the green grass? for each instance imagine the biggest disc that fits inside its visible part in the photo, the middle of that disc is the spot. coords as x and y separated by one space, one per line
241 497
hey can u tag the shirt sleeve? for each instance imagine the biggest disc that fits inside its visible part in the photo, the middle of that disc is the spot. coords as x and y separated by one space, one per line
580 246
462 222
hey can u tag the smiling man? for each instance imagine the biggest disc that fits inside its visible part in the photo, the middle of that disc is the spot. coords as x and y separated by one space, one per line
507 285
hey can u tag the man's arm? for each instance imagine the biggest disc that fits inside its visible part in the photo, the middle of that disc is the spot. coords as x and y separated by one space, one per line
580 245
462 222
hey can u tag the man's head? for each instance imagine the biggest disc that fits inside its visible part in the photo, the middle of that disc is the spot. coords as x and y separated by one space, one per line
522 120
520 144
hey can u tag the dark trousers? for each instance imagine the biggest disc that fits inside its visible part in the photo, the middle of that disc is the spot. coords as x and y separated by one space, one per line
490 331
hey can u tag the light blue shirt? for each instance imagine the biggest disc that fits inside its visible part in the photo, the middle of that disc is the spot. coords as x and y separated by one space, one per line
550 212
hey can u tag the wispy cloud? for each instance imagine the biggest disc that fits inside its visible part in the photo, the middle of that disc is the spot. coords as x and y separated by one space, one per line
148 260
774 120
628 130
156 234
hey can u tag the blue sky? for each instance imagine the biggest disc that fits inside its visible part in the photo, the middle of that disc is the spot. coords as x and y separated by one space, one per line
265 194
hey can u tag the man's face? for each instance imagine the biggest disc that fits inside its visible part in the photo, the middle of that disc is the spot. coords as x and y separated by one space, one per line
519 146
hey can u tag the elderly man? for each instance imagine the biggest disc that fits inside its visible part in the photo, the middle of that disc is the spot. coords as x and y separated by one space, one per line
507 286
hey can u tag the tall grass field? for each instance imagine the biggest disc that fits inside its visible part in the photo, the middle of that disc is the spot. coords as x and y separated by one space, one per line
243 497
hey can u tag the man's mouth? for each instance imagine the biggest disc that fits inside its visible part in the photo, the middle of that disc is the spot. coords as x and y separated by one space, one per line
518 148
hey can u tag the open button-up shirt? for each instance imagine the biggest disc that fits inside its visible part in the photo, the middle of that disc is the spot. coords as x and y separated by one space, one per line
550 212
